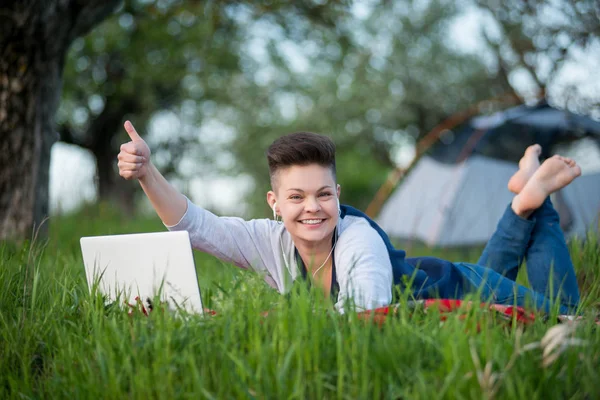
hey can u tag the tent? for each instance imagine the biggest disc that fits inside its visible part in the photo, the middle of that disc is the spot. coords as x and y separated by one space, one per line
456 193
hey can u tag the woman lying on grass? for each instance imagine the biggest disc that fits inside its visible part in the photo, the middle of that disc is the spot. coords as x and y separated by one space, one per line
347 256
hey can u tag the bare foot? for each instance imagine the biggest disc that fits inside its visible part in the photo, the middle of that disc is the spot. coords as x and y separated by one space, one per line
528 164
554 174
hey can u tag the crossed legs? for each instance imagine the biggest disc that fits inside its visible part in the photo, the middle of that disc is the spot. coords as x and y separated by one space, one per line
530 229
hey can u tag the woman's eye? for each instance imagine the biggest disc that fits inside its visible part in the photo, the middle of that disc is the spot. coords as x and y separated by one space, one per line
295 197
325 194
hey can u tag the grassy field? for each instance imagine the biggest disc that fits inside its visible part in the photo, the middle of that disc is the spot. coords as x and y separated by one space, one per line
58 341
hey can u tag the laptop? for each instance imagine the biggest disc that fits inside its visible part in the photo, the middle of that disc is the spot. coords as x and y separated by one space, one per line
135 268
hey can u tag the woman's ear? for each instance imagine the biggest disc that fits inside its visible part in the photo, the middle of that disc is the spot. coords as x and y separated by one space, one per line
271 199
339 191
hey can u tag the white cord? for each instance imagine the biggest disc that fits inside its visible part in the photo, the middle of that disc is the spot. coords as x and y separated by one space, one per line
325 262
318 269
284 258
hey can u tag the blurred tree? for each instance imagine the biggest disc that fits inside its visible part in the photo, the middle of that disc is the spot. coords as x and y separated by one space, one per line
376 84
158 57
34 39
539 38
244 73
144 59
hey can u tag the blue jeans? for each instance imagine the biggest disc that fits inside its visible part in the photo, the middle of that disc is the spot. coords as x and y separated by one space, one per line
540 241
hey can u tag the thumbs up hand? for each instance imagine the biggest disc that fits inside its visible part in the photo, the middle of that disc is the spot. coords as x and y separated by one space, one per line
134 157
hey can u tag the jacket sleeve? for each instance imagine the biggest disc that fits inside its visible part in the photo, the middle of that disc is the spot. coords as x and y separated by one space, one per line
231 239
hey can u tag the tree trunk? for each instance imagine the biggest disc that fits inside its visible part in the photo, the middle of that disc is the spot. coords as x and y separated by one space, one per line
34 39
30 82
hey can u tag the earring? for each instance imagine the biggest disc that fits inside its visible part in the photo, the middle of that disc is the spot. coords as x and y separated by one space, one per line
276 217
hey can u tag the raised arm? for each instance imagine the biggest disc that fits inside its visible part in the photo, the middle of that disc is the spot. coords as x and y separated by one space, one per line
135 163
254 244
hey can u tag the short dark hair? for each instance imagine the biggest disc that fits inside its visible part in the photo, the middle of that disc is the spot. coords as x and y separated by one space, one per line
301 148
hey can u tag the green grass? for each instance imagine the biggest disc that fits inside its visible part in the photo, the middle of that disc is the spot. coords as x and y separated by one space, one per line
58 341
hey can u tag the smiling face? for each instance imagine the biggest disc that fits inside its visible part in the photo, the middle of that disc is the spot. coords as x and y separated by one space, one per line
306 198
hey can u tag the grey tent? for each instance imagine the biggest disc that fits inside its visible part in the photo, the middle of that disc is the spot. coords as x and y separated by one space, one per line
455 195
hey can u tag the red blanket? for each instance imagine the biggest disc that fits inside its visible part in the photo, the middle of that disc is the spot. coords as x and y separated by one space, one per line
510 314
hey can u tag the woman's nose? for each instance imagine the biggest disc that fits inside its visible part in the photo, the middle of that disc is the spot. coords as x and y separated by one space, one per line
312 204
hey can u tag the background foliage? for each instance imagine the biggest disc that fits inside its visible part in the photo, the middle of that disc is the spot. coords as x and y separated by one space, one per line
215 82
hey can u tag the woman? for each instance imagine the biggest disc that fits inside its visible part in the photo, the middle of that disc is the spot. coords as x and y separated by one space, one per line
347 256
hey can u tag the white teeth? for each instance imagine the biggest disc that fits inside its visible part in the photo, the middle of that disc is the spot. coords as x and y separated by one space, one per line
312 221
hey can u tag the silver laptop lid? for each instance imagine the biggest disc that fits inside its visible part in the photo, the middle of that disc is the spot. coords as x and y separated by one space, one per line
143 265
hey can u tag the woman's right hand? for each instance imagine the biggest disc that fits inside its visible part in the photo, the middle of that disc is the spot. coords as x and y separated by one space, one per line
134 157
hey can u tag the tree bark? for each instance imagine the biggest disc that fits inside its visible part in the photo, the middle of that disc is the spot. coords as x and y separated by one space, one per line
34 39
